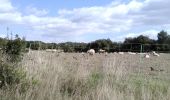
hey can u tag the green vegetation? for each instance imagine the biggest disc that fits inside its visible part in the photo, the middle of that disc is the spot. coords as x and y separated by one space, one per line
93 78
50 77
162 44
14 49
12 74
79 87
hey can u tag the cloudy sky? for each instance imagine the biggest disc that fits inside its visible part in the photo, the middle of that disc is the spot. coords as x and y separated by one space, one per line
83 20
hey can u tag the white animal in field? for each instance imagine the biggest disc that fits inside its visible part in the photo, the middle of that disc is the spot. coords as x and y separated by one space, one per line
155 54
121 53
147 56
102 51
131 53
60 51
91 52
115 53
51 50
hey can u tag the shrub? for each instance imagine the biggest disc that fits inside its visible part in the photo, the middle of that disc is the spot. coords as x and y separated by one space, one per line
10 75
15 48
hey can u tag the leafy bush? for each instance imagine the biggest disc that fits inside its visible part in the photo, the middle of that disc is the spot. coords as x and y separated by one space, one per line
11 74
15 48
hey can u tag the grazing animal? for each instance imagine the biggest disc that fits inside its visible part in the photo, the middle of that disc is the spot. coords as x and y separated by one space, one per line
131 53
121 53
155 54
102 51
147 56
51 50
152 69
91 52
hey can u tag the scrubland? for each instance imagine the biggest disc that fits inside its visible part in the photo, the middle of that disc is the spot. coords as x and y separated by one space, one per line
73 76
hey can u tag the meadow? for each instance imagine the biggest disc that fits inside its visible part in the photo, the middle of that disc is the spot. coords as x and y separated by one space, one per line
73 76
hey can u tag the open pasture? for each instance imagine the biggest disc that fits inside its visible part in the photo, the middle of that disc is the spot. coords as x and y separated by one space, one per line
78 76
137 63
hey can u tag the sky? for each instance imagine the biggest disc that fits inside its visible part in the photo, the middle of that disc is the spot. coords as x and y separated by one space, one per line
83 20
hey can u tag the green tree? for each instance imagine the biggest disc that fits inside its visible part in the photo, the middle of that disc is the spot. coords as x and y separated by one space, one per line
11 74
163 41
162 37
2 42
134 44
140 39
15 48
144 40
105 44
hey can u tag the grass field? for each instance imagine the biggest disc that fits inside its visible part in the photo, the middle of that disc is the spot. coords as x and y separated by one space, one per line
72 76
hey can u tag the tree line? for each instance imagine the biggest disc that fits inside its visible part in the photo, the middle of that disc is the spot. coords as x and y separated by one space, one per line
134 44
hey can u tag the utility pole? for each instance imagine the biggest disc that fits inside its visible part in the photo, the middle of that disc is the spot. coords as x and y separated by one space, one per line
29 48
141 48
7 32
39 45
11 35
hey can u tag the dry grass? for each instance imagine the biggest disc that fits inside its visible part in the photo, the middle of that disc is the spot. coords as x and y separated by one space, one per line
71 76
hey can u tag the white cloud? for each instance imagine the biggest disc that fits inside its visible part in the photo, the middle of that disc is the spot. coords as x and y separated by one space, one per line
153 12
8 13
5 6
116 17
35 11
150 33
2 35
13 17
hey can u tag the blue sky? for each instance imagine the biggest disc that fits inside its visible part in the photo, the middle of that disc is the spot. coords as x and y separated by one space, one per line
60 4
83 20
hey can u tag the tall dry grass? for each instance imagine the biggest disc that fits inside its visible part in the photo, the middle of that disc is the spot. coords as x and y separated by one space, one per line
71 76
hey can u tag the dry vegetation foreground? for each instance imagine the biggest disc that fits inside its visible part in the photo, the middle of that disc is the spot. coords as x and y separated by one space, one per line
73 76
